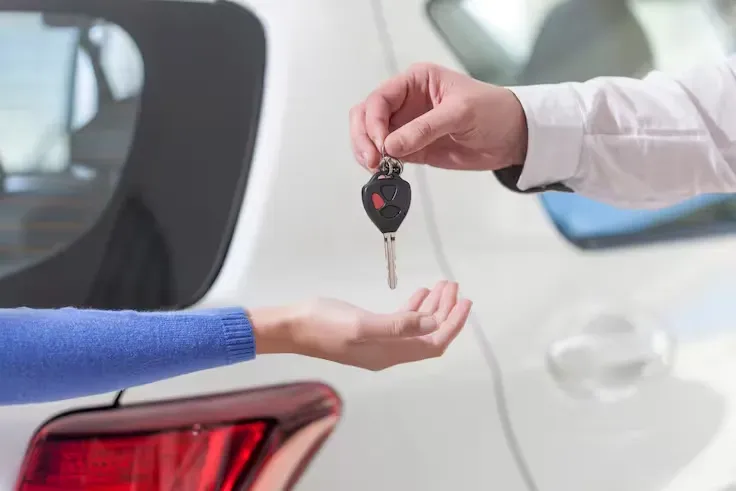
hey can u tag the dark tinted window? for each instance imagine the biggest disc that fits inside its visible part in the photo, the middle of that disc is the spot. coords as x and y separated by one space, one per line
126 134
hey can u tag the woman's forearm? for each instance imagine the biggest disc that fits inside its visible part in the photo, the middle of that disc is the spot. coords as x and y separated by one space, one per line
57 354
65 353
273 328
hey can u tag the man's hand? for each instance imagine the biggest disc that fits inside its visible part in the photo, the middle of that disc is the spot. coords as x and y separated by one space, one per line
435 116
340 332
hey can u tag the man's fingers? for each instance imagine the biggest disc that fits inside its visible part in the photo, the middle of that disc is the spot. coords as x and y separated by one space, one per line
398 325
415 301
421 131
363 148
381 105
377 119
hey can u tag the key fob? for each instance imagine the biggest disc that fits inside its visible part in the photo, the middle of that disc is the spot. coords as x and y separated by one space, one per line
386 200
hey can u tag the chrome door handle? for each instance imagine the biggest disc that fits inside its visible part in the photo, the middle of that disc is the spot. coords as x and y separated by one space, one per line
610 357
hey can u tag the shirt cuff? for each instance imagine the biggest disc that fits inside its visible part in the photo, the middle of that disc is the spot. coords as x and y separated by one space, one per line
555 130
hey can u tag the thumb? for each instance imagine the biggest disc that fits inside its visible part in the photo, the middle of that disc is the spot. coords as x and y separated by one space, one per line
397 325
421 131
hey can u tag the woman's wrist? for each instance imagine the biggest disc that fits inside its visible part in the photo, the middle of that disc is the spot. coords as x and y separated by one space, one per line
273 328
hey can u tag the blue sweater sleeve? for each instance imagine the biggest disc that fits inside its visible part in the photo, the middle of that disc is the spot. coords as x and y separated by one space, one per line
65 353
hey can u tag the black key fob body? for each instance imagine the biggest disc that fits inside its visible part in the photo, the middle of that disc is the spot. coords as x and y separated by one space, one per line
386 199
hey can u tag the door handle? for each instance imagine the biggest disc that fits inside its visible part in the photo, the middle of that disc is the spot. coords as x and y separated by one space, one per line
610 358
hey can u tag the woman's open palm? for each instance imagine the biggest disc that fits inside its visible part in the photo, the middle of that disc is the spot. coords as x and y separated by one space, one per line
423 328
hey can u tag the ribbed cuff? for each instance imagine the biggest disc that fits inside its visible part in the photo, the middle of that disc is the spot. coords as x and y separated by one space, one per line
239 338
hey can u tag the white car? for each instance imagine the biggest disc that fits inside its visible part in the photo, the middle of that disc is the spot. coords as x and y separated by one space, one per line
601 351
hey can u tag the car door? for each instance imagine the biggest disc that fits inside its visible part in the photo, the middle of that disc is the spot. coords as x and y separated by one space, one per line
612 330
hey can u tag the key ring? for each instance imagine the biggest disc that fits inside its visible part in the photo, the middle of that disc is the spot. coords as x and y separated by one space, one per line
390 164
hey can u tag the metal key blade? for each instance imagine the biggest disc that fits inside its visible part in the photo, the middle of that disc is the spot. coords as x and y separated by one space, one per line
389 245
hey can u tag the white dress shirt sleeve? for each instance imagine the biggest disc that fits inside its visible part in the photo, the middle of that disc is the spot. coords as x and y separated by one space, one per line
646 143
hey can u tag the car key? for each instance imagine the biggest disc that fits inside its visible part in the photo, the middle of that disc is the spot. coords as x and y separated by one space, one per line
386 199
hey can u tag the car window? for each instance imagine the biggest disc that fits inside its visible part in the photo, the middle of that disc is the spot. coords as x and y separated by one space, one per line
126 140
60 95
547 41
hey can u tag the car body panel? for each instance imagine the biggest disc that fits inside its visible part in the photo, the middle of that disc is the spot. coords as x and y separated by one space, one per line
302 232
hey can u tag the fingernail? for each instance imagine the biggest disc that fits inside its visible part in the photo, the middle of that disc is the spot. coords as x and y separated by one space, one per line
427 325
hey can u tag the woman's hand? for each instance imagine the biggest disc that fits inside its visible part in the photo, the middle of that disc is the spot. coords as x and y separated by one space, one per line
338 331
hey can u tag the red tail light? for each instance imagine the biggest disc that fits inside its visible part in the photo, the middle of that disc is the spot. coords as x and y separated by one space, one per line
254 440
185 459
